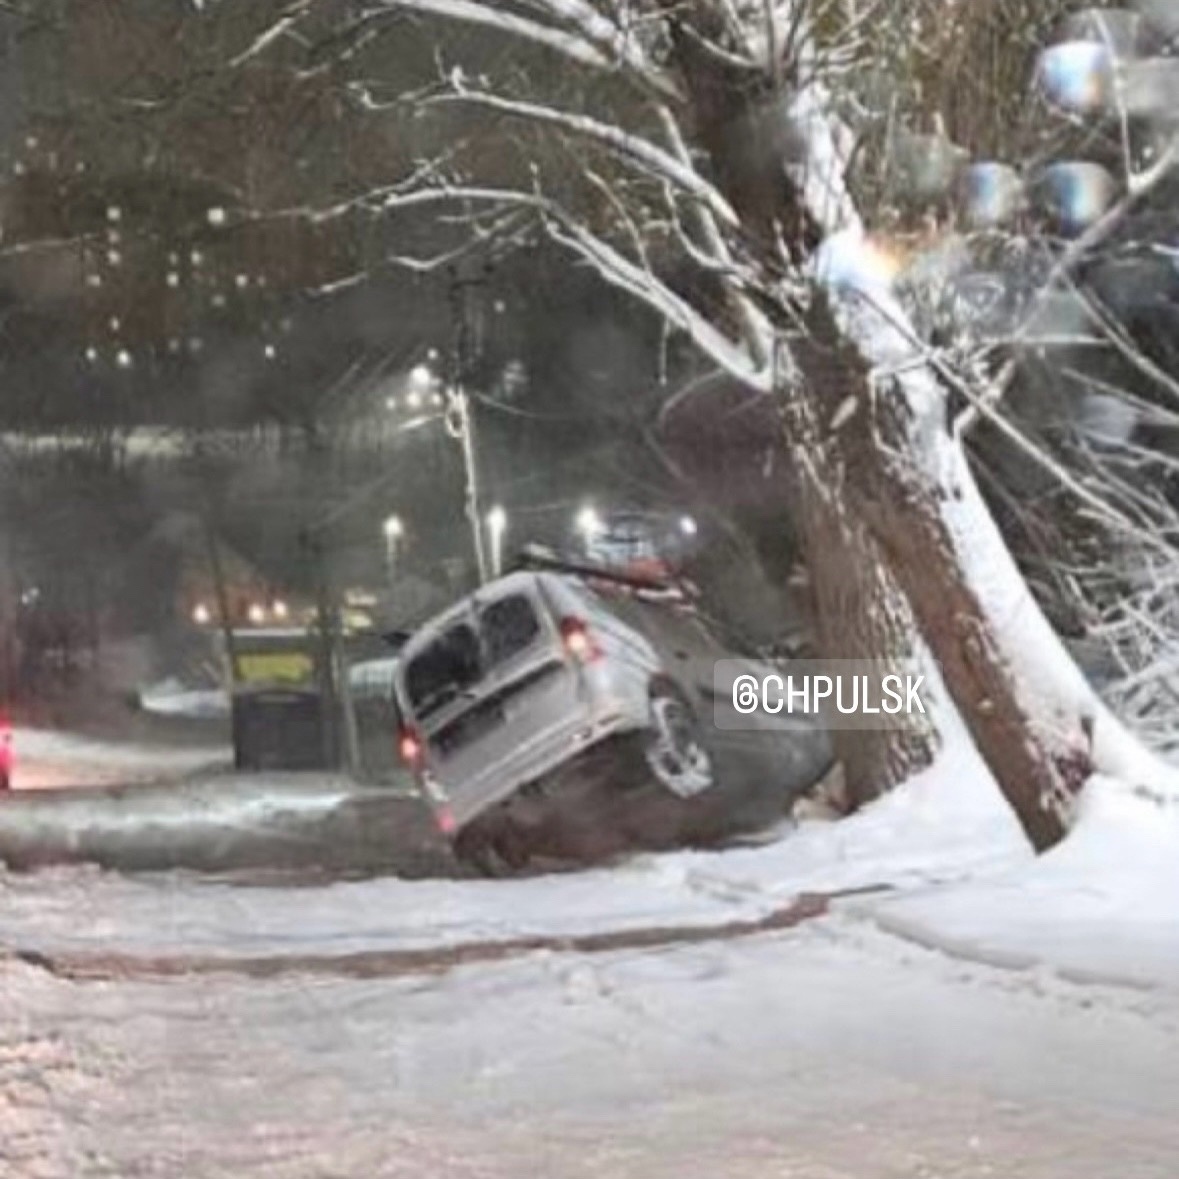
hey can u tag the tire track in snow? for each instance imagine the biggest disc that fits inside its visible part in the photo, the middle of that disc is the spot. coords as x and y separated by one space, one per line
367 964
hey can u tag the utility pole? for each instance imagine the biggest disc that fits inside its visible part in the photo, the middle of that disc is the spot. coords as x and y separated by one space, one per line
461 427
459 418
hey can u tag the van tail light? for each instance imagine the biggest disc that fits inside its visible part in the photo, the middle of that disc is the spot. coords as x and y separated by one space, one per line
6 757
410 748
444 817
578 640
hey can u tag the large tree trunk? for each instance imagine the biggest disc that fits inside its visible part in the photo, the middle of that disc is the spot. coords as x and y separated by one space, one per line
888 571
858 607
859 611
900 481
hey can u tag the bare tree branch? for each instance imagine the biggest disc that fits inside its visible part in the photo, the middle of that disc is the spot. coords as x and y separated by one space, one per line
268 36
609 263
599 46
639 152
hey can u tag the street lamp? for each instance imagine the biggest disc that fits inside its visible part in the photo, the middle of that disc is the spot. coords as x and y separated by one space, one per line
497 525
688 526
421 379
589 523
394 531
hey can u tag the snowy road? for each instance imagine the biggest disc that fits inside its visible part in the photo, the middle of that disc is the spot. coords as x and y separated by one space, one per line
988 1016
831 1051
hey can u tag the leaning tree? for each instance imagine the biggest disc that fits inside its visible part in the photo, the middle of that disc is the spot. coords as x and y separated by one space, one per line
730 165
726 163
721 161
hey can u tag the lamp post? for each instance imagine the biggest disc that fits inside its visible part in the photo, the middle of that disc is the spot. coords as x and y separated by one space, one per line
497 525
394 531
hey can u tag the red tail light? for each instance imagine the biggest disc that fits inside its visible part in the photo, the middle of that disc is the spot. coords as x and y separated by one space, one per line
578 640
410 748
5 745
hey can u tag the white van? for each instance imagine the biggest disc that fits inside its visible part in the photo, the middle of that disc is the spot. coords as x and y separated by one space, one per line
535 669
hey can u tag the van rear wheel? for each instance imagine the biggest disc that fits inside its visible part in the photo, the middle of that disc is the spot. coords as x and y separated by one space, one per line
673 746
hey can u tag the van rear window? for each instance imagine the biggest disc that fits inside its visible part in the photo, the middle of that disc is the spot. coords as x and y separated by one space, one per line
509 625
447 667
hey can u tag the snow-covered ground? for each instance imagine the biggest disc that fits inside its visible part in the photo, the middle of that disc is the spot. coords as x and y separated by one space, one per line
46 759
911 838
172 698
827 1052
973 1021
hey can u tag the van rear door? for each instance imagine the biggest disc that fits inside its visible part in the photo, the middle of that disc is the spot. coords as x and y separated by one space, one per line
501 696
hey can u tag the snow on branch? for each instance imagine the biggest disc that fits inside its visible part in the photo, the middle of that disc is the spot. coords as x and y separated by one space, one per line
268 36
634 149
627 276
716 255
618 43
820 174
597 44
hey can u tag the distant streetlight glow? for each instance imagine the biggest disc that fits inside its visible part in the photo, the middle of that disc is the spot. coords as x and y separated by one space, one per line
589 523
421 378
688 526
497 526
201 614
281 610
257 614
394 531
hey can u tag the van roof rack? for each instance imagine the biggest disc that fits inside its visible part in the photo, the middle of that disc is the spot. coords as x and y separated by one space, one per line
537 557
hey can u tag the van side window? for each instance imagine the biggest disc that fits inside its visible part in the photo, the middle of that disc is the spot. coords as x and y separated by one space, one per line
509 625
